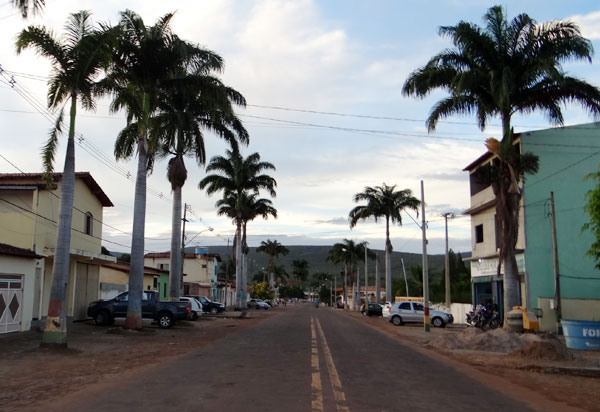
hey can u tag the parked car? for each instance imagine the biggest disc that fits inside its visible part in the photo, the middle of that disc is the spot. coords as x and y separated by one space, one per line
195 306
104 312
405 312
387 307
258 304
209 306
374 309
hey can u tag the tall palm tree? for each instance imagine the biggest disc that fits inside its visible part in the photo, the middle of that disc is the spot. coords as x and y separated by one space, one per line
272 248
252 207
235 176
188 104
25 5
77 60
242 209
384 202
146 59
501 69
348 254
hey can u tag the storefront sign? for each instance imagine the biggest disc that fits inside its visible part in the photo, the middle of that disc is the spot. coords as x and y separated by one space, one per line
489 267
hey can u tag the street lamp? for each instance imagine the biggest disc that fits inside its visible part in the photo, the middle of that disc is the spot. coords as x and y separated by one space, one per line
345 281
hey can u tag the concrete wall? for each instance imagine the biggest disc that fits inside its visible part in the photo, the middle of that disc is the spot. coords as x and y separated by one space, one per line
565 158
17 225
578 309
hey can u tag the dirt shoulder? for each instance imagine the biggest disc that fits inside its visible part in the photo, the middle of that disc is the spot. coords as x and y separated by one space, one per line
552 372
31 376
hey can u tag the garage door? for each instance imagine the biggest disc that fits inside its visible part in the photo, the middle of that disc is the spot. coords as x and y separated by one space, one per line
11 300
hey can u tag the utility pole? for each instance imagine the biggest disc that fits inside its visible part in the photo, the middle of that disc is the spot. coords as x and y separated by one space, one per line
425 269
557 306
405 281
180 286
447 259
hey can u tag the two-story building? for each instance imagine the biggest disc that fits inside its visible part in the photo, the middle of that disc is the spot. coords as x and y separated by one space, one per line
28 220
566 156
199 271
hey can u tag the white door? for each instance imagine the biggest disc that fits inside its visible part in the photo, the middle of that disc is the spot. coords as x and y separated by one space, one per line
11 300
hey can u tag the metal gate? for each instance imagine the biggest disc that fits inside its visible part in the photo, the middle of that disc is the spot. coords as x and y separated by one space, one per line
11 299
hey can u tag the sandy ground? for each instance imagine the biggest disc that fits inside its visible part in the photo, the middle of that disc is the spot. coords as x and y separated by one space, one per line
541 364
31 376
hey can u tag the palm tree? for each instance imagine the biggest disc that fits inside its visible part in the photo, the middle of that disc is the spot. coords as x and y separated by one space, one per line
236 177
252 207
25 5
348 254
242 209
272 249
384 202
145 60
502 69
300 270
77 61
188 104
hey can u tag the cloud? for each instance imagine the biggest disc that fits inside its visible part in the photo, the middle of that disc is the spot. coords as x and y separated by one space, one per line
589 24
335 221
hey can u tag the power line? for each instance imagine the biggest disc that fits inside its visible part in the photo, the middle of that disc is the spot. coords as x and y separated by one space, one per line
89 147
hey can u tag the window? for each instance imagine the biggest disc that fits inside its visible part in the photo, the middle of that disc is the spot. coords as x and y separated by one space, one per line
404 306
155 283
479 233
88 223
418 306
163 266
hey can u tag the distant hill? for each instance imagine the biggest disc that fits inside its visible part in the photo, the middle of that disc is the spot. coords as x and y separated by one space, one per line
316 257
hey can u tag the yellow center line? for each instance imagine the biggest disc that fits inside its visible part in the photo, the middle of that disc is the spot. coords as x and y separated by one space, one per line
317 389
336 384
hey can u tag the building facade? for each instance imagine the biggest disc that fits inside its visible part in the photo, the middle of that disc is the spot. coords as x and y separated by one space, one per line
199 271
28 218
566 156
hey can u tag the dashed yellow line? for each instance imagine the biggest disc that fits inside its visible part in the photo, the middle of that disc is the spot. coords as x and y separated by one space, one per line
336 384
317 389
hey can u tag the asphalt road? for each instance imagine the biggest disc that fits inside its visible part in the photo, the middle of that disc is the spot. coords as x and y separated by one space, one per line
304 359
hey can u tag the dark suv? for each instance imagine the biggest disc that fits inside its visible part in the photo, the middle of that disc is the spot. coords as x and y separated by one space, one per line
209 306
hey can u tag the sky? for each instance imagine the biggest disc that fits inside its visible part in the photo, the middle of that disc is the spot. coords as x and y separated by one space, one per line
323 82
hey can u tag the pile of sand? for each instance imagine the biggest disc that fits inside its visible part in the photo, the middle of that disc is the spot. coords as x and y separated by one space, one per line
502 341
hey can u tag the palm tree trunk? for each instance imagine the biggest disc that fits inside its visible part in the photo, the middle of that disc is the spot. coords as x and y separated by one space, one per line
55 330
388 262
244 302
136 264
176 262
238 267
507 210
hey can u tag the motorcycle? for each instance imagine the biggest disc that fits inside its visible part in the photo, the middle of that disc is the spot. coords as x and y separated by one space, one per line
482 316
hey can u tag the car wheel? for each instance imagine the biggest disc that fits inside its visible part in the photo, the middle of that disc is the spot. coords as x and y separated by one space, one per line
165 320
194 316
213 311
103 318
438 322
397 320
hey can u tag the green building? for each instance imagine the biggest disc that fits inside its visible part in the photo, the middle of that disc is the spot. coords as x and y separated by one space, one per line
566 155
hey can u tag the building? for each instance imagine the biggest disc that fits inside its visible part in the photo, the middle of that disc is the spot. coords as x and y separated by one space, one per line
28 218
566 155
114 279
199 271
